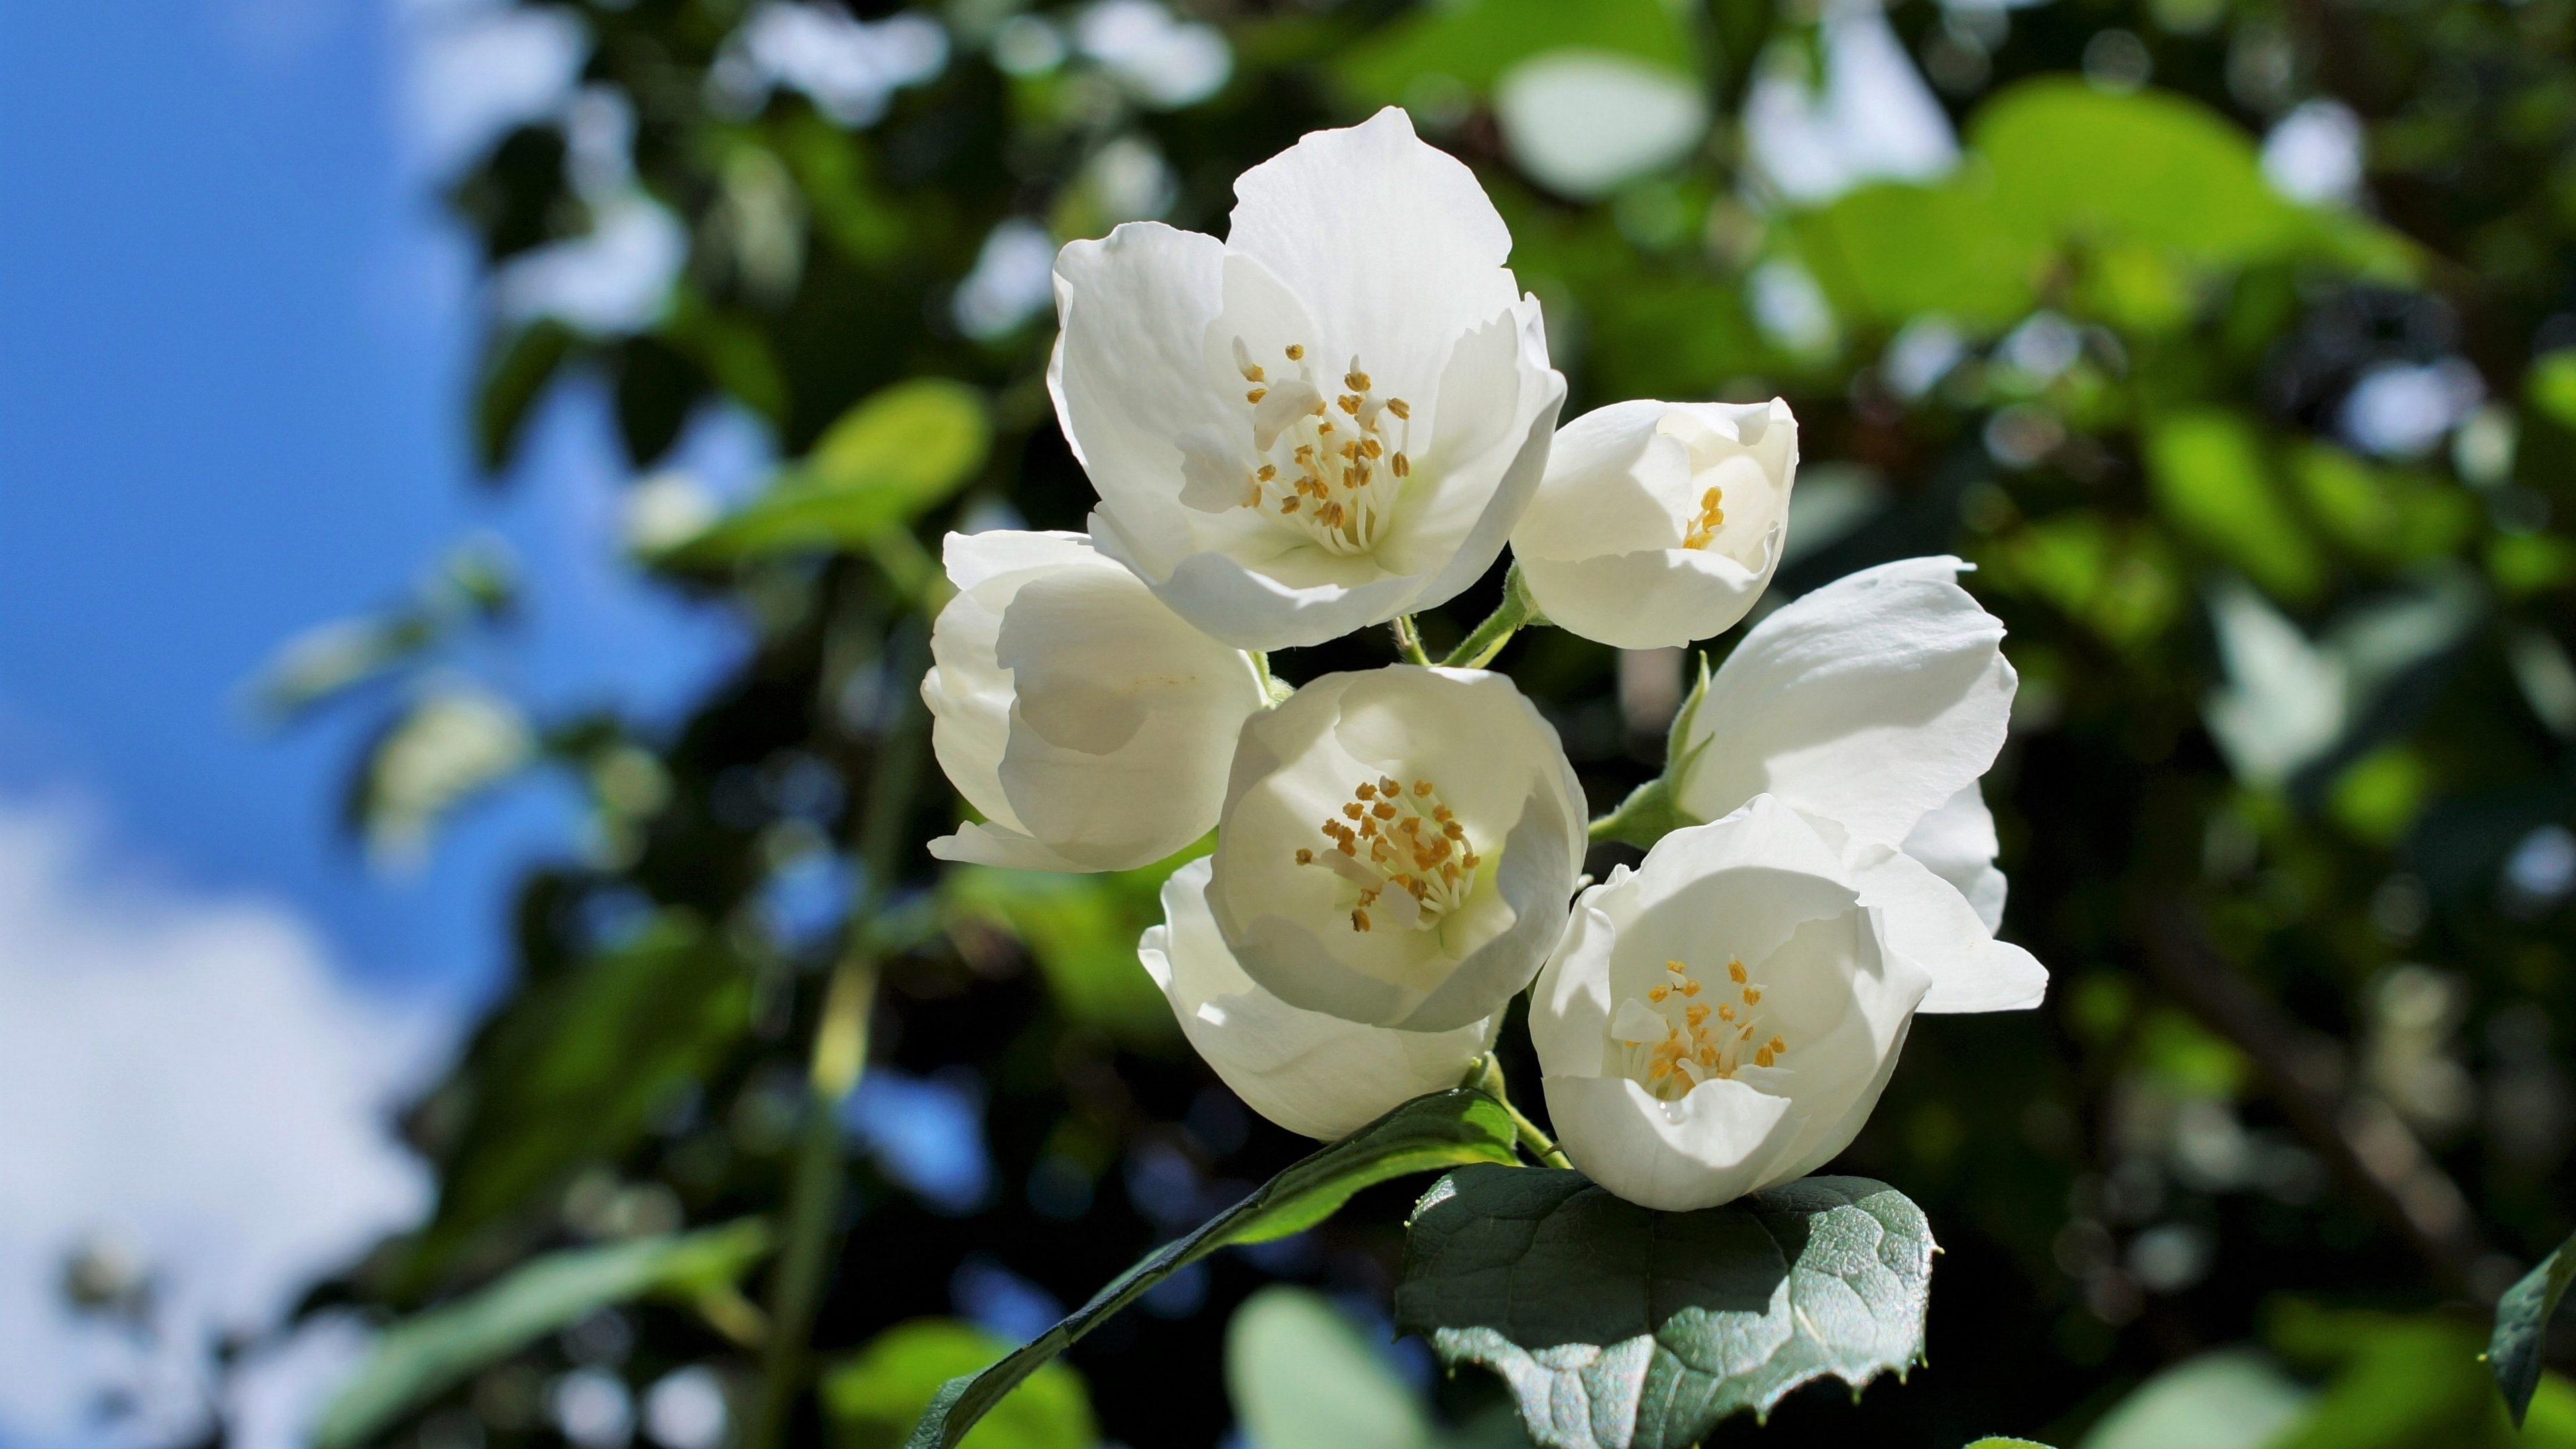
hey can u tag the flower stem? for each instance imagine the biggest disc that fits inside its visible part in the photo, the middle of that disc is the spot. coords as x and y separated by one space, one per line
1517 609
838 1057
1646 816
1408 641
1488 1079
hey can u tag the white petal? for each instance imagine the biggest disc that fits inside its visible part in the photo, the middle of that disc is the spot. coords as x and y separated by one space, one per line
1649 600
1926 920
1711 1147
1486 460
1391 243
1129 374
982 844
1870 701
967 689
1310 1073
1249 609
1957 841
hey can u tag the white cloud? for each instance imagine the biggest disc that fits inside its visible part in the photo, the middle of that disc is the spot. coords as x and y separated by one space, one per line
186 1078
479 67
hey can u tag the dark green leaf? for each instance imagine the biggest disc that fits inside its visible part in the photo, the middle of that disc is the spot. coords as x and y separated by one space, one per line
421 1357
886 462
515 373
875 1396
2213 478
573 1069
2522 1326
1618 1327
1443 1129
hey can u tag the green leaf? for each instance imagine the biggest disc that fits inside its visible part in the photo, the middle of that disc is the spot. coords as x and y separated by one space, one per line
1473 43
1891 251
2071 161
516 371
1301 1377
424 1355
1997 1441
1440 1130
2228 1398
873 1396
2522 1326
2213 479
573 1068
1618 1327
886 462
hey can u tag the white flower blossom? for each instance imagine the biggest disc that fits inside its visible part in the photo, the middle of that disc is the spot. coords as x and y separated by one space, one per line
1091 725
1723 1018
1659 523
1333 416
1871 706
1398 846
1308 1072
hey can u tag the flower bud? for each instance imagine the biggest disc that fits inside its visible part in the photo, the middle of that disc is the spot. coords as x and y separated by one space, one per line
1090 724
1659 523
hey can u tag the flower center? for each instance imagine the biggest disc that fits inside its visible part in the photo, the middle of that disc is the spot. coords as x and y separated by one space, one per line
1404 849
1711 519
1674 1045
1330 465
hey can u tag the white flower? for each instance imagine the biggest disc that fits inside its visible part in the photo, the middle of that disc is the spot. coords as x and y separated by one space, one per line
1308 1072
1871 706
1722 1019
1398 846
1659 523
1088 723
1330 418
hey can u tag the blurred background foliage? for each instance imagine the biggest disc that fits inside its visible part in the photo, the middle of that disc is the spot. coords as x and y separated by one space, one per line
2235 345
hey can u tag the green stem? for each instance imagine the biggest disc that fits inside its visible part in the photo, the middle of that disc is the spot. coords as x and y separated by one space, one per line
838 1057
1646 816
1408 641
1488 1079
1517 609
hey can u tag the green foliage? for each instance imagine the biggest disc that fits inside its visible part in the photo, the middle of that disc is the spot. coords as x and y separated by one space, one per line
518 368
874 1396
2405 1380
574 1069
1473 43
882 465
422 1356
2213 479
2522 1326
1423 1135
1618 1325
1301 1377
1082 931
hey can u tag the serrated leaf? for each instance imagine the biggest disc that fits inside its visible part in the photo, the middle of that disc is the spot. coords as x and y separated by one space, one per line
887 461
1430 1132
424 1355
2522 1327
1619 1327
572 1070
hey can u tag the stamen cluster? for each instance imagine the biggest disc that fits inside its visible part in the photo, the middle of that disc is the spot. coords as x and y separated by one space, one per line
1711 519
1688 1050
1404 849
1335 479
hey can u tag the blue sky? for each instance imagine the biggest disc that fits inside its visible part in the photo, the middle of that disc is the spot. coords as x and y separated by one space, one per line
235 333
234 339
